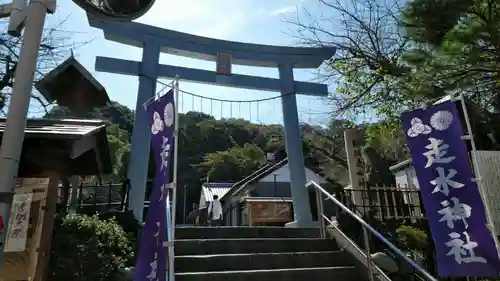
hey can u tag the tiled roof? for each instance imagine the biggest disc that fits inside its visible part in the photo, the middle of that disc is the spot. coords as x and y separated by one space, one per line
67 133
211 189
52 128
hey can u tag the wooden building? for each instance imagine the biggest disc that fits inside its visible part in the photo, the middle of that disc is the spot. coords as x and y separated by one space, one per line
52 150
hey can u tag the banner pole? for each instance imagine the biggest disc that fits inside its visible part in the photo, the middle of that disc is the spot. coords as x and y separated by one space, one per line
475 169
174 178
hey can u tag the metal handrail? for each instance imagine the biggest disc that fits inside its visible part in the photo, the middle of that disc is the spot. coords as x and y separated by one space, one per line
377 234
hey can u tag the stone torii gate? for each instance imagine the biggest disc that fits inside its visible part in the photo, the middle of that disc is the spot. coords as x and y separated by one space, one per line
154 40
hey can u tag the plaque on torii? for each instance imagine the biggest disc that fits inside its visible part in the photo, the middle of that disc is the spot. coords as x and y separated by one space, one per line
224 64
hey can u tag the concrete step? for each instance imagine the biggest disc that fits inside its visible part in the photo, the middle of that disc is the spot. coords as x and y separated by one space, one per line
244 232
290 274
189 247
206 263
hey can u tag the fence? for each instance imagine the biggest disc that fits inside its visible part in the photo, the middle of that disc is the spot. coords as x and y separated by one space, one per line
91 198
388 202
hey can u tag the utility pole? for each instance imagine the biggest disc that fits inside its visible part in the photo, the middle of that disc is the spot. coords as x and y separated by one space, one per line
30 17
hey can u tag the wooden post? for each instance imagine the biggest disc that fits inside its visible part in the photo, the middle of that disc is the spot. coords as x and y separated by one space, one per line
31 264
45 229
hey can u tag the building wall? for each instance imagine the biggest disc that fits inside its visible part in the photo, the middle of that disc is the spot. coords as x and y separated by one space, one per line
203 201
271 189
283 175
407 179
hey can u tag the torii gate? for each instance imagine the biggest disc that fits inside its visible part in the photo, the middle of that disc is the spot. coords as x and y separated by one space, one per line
154 40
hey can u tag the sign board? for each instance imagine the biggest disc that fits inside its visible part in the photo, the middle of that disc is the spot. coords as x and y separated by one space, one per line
488 164
17 231
270 211
23 186
224 64
353 145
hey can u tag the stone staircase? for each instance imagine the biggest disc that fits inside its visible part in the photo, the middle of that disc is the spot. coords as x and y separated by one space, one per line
260 254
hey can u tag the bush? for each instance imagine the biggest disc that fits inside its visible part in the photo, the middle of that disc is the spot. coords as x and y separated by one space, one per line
85 248
412 239
131 227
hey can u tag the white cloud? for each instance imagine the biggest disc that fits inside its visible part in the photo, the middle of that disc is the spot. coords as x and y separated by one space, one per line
213 18
168 12
283 10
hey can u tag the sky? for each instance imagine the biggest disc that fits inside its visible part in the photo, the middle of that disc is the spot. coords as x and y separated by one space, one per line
252 21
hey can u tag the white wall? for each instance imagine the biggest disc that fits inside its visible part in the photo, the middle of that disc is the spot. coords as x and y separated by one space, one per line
407 179
202 199
283 175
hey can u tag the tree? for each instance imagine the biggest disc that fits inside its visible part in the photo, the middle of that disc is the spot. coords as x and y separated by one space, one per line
119 149
233 164
55 47
457 44
367 64
392 59
387 137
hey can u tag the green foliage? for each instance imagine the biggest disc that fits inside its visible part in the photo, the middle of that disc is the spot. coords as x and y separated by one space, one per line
85 248
412 239
456 47
233 164
432 20
388 139
126 220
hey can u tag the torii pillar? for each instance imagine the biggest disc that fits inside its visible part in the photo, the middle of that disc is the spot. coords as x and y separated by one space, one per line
154 40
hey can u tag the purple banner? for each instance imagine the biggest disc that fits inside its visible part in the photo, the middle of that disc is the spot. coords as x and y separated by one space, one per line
151 260
454 208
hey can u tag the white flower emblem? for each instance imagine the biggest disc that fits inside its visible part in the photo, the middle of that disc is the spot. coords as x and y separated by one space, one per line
418 127
157 124
168 114
441 120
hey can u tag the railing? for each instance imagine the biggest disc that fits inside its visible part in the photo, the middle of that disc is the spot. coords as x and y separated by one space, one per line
389 202
367 228
91 198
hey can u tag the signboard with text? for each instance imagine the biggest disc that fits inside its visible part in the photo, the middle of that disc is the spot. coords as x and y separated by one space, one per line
270 211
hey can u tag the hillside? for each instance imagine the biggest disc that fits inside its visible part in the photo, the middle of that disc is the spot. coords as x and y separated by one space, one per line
224 150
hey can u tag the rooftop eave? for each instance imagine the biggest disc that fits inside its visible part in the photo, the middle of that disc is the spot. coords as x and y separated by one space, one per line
401 165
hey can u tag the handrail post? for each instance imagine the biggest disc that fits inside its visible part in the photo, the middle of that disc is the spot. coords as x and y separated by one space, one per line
366 239
80 195
95 195
319 204
110 188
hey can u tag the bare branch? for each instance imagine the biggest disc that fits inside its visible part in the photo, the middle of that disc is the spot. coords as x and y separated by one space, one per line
369 48
56 46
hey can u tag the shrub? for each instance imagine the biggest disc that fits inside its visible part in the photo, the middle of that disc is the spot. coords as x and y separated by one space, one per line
131 227
85 248
412 239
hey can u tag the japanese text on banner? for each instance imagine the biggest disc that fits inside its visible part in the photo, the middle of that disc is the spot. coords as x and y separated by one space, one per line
151 260
455 211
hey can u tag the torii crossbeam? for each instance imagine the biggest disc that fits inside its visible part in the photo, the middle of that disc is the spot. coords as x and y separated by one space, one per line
154 40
